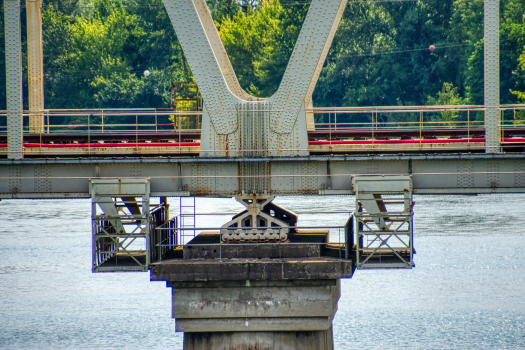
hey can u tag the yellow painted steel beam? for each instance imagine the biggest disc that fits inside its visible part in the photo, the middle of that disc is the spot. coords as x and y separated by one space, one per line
36 65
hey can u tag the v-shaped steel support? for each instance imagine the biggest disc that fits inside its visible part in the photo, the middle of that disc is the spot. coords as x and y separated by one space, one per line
280 120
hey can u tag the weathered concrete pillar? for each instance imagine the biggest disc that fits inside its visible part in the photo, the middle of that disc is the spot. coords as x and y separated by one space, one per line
239 315
307 340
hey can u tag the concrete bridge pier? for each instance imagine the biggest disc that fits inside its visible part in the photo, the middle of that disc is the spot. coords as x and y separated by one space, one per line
258 303
307 340
257 295
258 315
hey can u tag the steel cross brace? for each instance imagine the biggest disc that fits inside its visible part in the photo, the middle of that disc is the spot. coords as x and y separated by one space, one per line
384 242
120 245
390 232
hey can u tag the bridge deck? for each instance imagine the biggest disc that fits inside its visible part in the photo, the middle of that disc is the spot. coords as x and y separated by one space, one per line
187 142
329 174
138 149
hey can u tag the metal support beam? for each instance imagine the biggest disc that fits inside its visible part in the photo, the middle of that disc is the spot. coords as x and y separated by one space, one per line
222 177
13 67
268 221
35 66
491 70
219 51
284 124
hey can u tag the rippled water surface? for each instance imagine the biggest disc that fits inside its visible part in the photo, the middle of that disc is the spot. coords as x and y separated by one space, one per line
467 290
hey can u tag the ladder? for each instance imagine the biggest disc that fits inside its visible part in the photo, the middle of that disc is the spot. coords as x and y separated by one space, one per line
186 219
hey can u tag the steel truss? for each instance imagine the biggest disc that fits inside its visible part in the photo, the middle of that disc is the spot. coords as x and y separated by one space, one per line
384 221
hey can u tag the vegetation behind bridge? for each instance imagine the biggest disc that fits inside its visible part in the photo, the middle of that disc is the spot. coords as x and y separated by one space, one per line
96 52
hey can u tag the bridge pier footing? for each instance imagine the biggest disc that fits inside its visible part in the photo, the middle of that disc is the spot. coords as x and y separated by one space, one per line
239 315
307 340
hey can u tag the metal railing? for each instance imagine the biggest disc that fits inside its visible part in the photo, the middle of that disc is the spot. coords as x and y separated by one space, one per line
130 250
344 245
336 119
352 129
415 117
111 121
175 237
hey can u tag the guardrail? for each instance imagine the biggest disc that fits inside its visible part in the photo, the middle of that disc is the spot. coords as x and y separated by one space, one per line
111 121
342 129
345 238
336 119
173 236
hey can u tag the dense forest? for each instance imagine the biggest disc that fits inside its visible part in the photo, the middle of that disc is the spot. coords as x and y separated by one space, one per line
96 51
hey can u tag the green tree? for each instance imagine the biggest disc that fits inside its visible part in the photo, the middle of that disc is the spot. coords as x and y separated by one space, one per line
512 36
60 85
3 102
101 56
221 9
520 95
270 67
95 51
251 41
365 30
466 31
380 55
448 96
468 20
474 75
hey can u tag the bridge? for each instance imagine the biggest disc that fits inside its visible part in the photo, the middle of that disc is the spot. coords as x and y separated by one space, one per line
260 278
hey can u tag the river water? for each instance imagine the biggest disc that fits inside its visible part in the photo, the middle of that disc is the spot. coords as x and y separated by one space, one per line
467 289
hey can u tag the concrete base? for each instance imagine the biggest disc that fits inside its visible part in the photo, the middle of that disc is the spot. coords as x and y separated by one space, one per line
278 314
314 340
251 300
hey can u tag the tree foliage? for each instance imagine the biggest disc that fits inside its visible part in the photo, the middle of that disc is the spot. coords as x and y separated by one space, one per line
520 115
521 73
102 55
448 96
259 42
95 51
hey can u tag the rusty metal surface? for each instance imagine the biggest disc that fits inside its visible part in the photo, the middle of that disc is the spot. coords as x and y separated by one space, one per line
109 137
147 149
191 135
